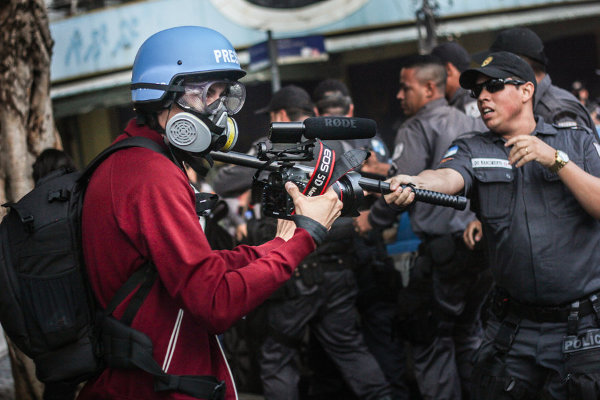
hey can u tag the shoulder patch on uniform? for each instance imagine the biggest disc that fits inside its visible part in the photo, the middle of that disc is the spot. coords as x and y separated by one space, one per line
398 151
490 163
451 151
378 147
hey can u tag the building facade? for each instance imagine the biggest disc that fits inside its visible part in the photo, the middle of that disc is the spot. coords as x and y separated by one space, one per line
362 42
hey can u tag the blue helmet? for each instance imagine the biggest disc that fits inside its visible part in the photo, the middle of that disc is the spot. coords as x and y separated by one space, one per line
168 56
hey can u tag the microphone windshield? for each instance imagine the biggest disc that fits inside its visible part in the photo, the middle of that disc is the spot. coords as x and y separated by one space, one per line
339 128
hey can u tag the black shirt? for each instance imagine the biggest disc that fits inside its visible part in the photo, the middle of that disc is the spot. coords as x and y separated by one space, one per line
544 247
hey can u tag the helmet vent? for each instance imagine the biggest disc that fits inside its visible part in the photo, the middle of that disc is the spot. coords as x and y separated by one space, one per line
183 132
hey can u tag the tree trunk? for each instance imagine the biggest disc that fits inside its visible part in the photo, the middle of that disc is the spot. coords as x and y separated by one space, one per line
26 124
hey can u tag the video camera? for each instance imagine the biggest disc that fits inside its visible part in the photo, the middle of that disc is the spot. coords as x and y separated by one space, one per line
295 153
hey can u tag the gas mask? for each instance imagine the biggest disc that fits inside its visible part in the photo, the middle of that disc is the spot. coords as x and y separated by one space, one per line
206 124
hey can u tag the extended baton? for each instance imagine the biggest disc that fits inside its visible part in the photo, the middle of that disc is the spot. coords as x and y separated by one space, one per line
368 184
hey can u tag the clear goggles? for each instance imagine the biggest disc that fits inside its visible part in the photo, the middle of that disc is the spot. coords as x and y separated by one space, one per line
208 97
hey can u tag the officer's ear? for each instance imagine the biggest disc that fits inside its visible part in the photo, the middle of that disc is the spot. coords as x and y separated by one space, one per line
279 116
430 89
527 90
451 70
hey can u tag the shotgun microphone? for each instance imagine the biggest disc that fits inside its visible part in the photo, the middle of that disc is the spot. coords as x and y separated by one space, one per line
324 128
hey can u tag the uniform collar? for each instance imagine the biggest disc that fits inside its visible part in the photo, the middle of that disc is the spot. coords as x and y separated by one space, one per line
432 105
541 89
460 93
540 128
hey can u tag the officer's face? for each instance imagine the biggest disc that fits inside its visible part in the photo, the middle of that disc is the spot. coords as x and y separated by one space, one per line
412 93
499 110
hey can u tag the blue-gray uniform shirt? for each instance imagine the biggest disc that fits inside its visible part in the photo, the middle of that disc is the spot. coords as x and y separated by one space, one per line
464 102
544 247
420 144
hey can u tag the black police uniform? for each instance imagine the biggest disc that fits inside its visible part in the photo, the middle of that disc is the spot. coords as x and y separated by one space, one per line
545 258
439 310
557 106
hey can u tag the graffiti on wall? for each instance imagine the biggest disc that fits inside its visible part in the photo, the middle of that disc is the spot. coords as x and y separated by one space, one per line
96 44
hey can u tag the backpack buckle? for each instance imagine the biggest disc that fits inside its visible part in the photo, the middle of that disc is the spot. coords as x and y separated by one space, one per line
219 391
28 222
58 195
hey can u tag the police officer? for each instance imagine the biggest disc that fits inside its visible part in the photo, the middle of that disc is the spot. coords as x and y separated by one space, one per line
456 60
535 187
332 98
439 310
552 103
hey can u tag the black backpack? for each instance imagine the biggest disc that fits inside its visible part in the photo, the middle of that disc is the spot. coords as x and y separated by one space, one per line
47 307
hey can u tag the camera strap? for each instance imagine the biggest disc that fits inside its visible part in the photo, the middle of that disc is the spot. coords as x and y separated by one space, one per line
321 176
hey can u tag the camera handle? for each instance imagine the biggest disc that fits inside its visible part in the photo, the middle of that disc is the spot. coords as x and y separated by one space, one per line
368 184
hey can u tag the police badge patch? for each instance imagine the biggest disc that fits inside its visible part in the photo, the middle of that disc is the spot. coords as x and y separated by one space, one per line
398 151
451 151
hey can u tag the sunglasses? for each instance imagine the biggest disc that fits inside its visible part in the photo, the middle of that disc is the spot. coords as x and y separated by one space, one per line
493 86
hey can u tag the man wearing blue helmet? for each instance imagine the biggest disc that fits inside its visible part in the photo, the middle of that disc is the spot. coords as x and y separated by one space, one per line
140 211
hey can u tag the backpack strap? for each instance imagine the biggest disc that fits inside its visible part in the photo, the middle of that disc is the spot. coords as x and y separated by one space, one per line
135 141
124 347
144 277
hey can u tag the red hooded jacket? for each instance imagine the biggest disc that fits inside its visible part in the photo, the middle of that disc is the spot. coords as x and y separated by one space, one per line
139 206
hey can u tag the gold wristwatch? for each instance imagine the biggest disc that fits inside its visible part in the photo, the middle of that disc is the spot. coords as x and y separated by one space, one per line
560 160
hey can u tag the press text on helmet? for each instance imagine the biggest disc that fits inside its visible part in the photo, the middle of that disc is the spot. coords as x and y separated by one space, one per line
224 55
